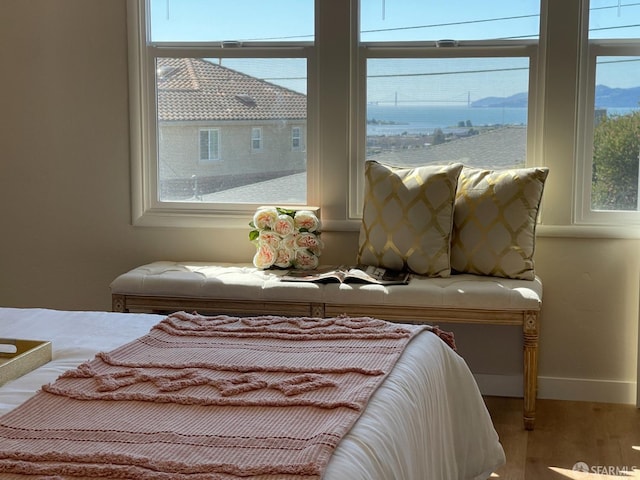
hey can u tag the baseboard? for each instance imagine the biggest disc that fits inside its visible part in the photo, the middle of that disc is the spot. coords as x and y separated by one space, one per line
555 388
604 391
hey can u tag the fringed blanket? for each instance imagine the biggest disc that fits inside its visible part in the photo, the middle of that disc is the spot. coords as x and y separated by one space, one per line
206 398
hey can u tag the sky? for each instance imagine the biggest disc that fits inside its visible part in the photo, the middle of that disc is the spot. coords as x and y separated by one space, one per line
395 20
202 20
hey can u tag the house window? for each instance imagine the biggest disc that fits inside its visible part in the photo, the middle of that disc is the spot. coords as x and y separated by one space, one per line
447 84
209 144
296 138
256 139
609 146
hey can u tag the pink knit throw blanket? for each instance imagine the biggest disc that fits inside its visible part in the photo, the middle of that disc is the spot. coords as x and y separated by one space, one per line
206 398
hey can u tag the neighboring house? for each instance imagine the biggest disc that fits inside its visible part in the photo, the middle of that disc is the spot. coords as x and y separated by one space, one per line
219 128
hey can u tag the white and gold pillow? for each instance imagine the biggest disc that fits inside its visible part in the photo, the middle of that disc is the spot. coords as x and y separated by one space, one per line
495 221
408 217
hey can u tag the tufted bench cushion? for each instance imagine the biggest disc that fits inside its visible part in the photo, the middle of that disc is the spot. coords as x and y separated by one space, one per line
245 282
242 289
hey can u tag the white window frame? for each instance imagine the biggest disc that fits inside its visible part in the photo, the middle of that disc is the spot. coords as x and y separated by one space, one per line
147 210
209 157
335 134
296 136
465 49
256 139
590 51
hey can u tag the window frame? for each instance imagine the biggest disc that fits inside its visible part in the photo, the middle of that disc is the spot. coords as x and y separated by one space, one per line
464 49
589 52
147 210
335 133
209 157
256 147
297 137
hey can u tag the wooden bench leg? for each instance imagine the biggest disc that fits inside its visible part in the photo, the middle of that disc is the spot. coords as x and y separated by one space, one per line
317 310
531 333
118 303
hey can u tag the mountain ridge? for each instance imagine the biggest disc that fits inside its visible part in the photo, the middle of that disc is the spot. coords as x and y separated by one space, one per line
605 97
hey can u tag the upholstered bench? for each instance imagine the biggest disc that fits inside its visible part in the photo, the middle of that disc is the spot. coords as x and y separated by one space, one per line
242 289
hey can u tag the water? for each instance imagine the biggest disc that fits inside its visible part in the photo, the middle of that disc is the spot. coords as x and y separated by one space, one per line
420 119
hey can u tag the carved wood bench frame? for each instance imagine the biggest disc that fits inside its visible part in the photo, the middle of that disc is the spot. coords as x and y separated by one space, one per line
528 319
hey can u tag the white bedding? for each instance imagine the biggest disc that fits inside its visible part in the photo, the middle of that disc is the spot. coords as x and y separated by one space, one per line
426 422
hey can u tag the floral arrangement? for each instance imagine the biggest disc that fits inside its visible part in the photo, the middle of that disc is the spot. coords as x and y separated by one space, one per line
286 238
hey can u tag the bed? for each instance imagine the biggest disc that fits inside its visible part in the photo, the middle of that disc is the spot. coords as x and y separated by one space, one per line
426 420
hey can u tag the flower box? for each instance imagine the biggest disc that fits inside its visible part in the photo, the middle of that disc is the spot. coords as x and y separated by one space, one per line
286 238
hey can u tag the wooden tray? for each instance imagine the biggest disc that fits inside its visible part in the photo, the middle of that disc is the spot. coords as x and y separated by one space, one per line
22 357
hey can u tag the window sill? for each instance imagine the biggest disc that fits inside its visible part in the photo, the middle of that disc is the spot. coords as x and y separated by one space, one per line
631 232
241 219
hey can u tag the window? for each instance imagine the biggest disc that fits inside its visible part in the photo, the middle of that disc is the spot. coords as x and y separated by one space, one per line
394 89
448 82
609 145
256 139
296 138
209 144
204 77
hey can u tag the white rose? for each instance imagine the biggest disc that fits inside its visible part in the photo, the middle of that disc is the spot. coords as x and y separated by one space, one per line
284 258
265 217
270 238
284 225
306 260
265 257
307 220
309 241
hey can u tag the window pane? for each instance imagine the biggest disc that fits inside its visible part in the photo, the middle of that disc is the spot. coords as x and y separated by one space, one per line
256 138
216 105
616 135
220 20
295 138
614 19
472 110
410 20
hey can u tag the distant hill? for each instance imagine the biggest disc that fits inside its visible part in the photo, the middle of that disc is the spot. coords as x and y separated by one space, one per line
617 97
514 101
605 97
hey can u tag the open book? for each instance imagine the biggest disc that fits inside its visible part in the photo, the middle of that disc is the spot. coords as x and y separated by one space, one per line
344 274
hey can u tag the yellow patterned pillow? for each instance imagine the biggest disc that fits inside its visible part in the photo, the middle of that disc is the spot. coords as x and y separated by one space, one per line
495 221
408 217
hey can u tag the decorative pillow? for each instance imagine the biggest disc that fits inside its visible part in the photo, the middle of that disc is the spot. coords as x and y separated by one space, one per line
408 217
495 221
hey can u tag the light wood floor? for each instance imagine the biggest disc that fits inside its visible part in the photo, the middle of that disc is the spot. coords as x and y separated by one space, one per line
605 437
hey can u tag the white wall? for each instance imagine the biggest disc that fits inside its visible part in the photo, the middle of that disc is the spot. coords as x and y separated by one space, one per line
65 205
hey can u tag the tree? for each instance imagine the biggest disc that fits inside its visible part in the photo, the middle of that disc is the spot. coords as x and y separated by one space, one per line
616 147
438 136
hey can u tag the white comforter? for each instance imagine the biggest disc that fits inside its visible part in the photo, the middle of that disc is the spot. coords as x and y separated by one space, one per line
426 422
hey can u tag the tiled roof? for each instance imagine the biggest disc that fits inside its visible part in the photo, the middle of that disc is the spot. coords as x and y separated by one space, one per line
195 89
